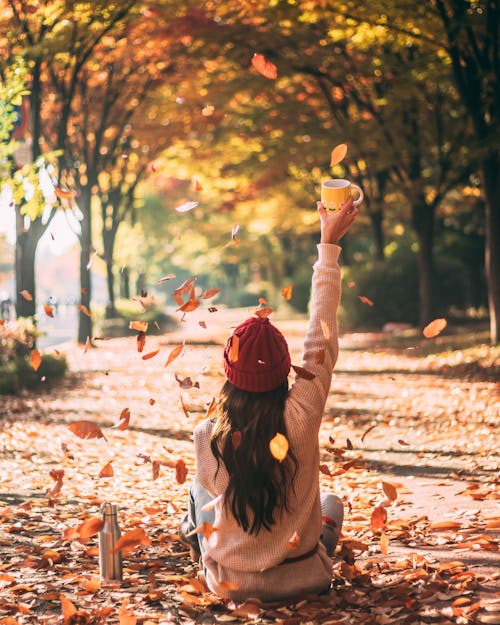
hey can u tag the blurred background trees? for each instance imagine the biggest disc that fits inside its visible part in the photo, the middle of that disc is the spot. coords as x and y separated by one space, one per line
149 105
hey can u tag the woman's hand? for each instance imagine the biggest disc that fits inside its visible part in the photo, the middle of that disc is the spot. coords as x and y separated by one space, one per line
335 224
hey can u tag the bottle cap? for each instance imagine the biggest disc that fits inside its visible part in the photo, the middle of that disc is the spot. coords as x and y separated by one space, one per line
109 509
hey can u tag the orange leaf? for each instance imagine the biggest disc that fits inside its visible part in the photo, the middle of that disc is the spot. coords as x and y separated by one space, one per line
184 408
338 154
141 341
156 469
286 291
124 419
402 442
378 519
174 354
365 300
49 310
278 446
150 355
434 328
390 491
186 286
68 609
86 429
263 313
132 539
264 67
234 348
205 529
125 617
197 186
35 359
140 326
89 528
64 194
84 310
209 293
303 373
180 471
191 304
106 471
26 294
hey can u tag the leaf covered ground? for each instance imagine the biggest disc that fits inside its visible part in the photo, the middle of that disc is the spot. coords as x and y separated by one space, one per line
409 440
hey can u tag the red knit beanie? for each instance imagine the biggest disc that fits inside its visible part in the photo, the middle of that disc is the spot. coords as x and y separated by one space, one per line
258 360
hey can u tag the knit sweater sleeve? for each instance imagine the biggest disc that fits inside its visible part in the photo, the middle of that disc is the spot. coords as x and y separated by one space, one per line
307 397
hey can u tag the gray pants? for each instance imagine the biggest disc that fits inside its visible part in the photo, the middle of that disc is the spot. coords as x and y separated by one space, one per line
332 510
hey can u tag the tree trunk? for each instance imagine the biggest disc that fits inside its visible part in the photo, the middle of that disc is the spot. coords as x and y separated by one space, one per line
125 283
423 222
491 182
84 321
108 238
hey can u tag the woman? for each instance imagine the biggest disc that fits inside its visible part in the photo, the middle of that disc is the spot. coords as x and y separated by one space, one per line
273 533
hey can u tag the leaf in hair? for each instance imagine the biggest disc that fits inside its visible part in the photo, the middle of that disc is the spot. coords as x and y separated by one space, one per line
278 446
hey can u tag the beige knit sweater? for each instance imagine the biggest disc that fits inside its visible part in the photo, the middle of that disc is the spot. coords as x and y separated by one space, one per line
253 564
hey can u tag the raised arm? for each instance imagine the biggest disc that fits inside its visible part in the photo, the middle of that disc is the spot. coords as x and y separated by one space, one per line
321 341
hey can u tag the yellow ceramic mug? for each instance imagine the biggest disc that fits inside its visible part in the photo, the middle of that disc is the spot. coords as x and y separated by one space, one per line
337 191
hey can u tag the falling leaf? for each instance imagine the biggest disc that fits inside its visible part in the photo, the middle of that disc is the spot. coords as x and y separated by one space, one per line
287 291
351 284
106 471
191 304
152 401
209 293
86 429
205 529
390 491
303 373
131 539
325 329
187 206
27 295
212 309
186 286
365 300
278 446
57 475
202 324
174 354
124 419
293 541
186 382
90 527
338 154
236 439
84 310
378 519
156 469
185 408
35 359
402 442
49 310
180 471
263 313
151 354
141 341
140 326
264 67
207 110
63 194
169 276
234 348
434 328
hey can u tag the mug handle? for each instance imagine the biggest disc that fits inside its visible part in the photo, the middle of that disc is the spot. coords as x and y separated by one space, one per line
361 194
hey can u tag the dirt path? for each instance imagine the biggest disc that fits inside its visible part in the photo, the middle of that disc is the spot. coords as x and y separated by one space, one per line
415 433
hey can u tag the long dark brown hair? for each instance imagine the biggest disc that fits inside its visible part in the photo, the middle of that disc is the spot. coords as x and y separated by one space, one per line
259 485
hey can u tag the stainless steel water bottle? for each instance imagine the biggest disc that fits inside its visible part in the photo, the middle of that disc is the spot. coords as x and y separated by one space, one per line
110 562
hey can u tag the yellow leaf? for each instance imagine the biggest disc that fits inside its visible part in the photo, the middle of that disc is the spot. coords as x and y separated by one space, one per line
286 291
338 154
278 446
434 328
